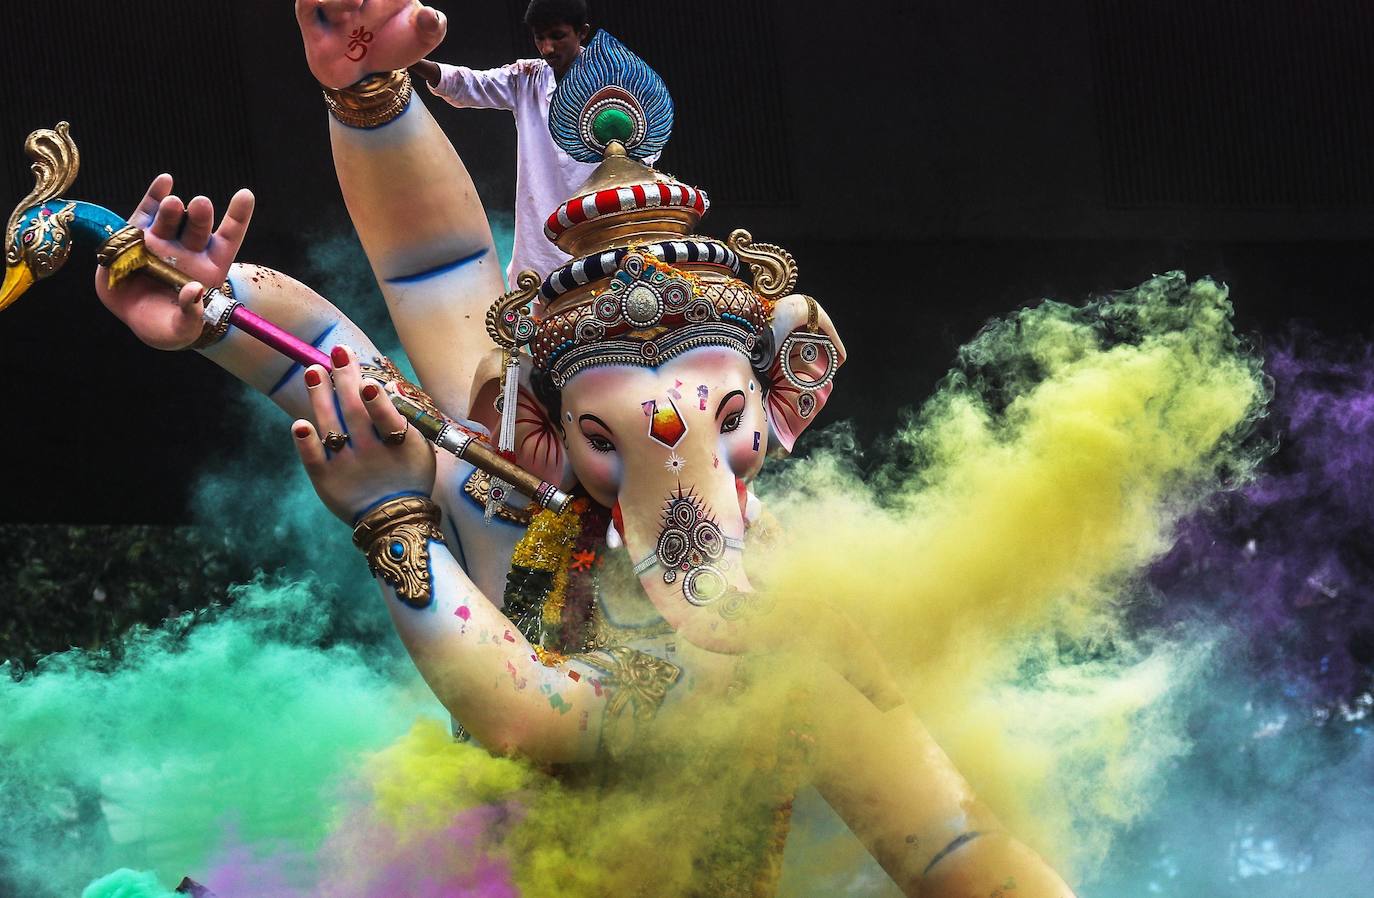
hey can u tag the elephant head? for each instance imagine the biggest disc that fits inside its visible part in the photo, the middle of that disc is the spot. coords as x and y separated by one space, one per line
664 379
671 449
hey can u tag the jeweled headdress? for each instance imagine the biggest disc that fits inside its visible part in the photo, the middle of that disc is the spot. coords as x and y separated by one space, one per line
641 287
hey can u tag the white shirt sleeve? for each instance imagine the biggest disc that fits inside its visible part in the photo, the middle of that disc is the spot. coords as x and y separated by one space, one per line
478 89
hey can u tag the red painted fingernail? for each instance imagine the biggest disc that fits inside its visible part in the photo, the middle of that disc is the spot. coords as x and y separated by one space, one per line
301 432
312 377
339 356
370 392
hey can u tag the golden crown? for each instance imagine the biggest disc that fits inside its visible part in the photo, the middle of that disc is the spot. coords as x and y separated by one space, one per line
641 288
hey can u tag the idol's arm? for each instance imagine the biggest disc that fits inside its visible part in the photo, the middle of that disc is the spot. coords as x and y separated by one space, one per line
484 672
166 320
410 198
898 791
475 660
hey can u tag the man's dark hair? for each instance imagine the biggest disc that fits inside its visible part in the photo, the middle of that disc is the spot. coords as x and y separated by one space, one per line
544 14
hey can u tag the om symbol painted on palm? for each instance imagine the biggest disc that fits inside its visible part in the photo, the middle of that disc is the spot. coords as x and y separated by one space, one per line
357 43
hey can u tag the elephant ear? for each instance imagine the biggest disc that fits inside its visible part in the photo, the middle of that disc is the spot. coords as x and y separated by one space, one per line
807 354
538 442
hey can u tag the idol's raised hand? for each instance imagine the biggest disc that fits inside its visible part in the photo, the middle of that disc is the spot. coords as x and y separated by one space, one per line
358 450
182 235
347 40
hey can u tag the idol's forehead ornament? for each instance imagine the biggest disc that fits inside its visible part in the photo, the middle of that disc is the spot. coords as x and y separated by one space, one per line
642 286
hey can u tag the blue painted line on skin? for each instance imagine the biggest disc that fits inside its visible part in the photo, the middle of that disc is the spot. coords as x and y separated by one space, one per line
387 498
461 557
440 270
338 413
959 842
297 367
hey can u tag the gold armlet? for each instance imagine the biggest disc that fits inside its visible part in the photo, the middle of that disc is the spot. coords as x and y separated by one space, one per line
372 102
213 331
395 537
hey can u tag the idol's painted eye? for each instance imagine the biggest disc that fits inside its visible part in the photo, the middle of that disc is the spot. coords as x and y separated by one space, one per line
731 411
600 443
595 431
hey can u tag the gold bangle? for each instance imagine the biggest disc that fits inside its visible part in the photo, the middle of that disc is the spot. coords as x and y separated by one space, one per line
213 331
372 102
395 537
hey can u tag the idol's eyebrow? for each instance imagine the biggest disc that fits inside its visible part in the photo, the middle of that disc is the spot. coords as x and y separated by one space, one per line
597 421
728 397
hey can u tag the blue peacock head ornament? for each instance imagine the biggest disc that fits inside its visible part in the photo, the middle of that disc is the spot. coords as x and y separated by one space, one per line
610 95
43 228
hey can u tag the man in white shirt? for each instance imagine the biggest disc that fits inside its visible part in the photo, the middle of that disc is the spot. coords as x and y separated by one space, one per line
545 175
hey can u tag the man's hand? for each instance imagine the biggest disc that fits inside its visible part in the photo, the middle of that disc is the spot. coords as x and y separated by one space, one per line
347 40
181 235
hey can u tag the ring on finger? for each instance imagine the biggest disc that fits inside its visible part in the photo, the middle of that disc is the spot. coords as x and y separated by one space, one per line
334 441
396 437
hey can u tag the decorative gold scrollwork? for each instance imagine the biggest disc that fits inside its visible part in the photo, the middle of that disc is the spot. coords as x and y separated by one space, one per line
384 370
48 238
641 680
508 320
55 164
774 269
395 537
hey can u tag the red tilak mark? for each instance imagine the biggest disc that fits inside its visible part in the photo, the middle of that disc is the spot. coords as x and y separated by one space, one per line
357 43
463 613
508 637
574 676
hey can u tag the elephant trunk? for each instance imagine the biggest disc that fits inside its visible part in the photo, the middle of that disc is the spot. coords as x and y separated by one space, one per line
686 538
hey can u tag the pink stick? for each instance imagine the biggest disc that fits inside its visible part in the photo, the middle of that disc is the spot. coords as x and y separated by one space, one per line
287 344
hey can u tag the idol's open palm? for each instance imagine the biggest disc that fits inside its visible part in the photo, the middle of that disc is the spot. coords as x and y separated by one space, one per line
347 40
184 236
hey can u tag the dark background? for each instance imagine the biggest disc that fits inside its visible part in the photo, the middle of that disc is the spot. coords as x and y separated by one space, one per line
930 165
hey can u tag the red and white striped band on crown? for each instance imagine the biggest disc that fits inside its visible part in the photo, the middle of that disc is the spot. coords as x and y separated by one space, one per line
623 199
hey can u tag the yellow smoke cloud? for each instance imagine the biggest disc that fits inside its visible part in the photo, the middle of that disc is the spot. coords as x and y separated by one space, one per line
1020 510
1019 505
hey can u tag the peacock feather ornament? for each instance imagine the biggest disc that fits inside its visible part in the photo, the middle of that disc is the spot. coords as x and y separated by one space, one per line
610 94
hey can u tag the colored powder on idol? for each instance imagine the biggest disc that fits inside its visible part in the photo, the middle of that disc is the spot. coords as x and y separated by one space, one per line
991 559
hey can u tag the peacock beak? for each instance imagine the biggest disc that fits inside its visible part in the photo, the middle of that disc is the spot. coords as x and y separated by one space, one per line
18 278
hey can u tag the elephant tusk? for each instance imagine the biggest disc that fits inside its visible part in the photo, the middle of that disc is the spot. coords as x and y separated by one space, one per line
18 278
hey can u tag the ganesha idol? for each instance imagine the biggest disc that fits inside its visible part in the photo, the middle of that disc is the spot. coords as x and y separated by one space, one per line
641 386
